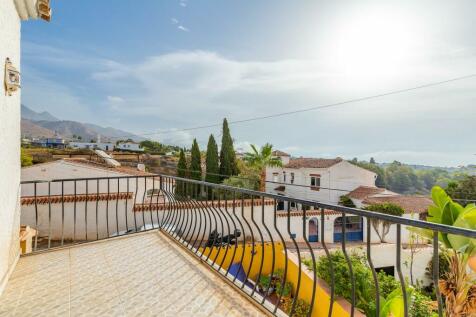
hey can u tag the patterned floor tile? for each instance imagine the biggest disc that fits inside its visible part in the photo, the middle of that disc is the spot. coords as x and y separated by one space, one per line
139 275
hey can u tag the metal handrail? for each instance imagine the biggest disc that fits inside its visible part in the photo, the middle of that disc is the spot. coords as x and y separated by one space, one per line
220 234
355 211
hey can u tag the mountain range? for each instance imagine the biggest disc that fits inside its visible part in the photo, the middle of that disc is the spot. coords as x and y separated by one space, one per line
43 124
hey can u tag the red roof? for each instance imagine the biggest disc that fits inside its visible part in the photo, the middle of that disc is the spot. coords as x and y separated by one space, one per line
363 192
313 212
312 162
280 153
416 204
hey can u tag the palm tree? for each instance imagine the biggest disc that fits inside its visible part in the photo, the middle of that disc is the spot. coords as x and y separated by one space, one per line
262 159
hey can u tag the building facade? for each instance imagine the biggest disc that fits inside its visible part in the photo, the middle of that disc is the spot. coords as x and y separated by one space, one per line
92 146
129 146
323 180
11 14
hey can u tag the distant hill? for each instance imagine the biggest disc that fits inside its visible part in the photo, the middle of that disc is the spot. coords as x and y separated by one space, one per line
31 130
36 125
27 113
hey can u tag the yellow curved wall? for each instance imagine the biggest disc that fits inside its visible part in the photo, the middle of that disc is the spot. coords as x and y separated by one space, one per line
224 256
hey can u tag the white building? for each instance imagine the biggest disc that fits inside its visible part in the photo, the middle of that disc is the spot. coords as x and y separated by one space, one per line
11 14
68 209
323 180
92 146
129 146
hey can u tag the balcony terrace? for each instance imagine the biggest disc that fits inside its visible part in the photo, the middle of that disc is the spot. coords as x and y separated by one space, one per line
159 245
135 275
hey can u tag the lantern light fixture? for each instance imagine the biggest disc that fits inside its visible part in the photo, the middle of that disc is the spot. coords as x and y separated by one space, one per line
12 78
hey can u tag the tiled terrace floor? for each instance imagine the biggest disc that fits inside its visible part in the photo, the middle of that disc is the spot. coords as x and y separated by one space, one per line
139 275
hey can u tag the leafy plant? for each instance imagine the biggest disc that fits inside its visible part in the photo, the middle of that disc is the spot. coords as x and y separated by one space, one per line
260 159
364 286
446 211
458 287
301 308
345 201
25 158
264 281
387 283
389 287
419 304
284 290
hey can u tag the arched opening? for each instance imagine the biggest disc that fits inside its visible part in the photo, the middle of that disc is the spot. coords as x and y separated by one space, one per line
353 229
313 230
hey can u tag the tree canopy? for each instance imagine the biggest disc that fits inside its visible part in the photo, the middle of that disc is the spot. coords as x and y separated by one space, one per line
464 189
260 159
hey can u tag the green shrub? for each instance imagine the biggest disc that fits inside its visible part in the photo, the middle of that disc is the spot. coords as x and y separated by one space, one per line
364 283
284 291
301 308
387 283
421 305
25 158
265 281
364 286
345 201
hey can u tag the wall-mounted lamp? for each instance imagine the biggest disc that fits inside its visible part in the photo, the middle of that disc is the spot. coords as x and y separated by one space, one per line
12 78
44 10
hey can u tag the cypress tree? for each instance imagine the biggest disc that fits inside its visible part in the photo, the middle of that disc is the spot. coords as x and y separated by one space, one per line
228 165
212 166
195 167
181 172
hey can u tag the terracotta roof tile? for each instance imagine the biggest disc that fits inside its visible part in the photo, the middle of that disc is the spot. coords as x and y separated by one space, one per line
200 204
363 192
312 162
309 213
416 204
56 199
279 153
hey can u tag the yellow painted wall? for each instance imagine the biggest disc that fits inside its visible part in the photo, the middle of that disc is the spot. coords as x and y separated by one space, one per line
321 298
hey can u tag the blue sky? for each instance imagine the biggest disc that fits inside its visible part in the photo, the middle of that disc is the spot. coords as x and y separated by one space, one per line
148 65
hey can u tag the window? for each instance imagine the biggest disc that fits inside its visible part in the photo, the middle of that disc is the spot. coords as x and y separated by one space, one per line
275 177
293 205
315 181
284 177
292 178
352 224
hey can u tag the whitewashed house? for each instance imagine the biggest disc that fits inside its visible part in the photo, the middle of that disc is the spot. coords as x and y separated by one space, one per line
324 180
92 146
129 146
68 209
12 12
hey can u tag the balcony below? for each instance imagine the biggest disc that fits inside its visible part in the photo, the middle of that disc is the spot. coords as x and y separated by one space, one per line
143 274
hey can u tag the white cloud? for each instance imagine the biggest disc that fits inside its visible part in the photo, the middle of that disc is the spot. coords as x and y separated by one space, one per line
180 138
183 3
183 28
192 88
174 21
115 99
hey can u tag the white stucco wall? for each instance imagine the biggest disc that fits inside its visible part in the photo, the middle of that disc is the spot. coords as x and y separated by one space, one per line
9 142
337 180
81 216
